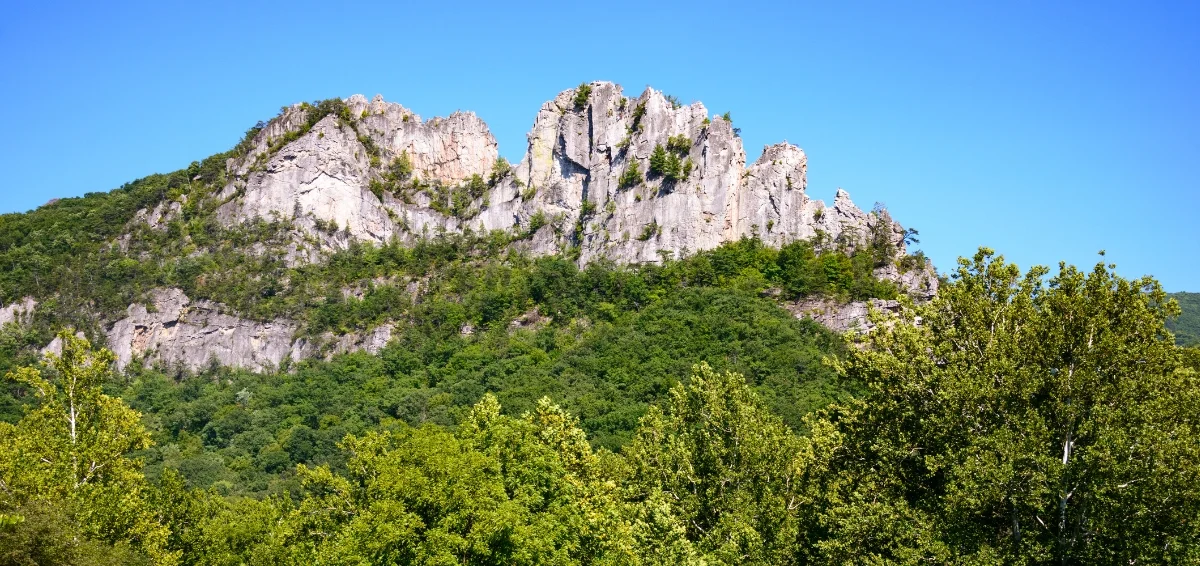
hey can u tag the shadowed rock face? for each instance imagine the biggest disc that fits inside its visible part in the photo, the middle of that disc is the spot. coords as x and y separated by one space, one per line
571 174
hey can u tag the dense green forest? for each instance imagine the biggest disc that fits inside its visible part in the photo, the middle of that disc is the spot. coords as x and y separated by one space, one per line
1026 420
1187 326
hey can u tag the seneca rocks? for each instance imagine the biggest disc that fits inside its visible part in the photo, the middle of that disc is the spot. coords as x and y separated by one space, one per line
584 184
577 151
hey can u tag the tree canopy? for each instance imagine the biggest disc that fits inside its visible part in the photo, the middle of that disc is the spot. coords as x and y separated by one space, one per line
1017 418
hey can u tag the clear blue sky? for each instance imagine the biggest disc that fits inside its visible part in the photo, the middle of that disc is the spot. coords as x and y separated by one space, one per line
1048 131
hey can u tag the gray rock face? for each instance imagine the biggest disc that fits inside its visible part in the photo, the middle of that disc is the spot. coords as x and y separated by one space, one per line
162 214
328 344
19 312
180 331
324 177
842 317
571 175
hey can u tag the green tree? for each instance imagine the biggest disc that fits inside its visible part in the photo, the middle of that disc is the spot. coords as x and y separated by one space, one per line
502 490
631 177
715 466
1025 420
70 451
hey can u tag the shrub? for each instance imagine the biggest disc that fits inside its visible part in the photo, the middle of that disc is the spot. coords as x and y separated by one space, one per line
631 177
581 95
377 189
649 231
665 165
536 222
500 170
679 145
638 112
401 168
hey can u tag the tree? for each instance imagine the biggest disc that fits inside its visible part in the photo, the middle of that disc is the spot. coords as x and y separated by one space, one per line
665 164
70 452
1025 420
502 490
719 469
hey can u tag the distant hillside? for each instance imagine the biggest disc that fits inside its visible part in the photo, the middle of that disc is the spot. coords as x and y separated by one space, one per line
1187 327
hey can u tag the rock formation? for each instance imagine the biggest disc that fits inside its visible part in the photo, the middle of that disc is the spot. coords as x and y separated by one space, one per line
605 176
571 176
177 331
18 312
174 330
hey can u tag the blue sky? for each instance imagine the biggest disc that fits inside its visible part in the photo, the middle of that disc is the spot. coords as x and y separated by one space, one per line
1047 131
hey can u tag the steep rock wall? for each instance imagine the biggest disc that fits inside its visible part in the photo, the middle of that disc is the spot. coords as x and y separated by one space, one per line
570 175
174 330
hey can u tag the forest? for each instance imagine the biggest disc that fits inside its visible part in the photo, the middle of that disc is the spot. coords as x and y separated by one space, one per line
1029 418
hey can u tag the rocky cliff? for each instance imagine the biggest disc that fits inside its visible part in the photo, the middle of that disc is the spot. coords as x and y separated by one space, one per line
627 179
590 179
173 330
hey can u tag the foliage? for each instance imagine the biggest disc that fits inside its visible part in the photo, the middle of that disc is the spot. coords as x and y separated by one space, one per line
397 179
65 460
631 177
729 119
457 201
500 170
1026 420
48 534
724 465
244 431
635 123
581 95
666 165
649 231
1187 325
882 241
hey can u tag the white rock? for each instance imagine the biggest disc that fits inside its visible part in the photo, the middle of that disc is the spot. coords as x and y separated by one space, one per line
574 155
842 317
19 312
178 331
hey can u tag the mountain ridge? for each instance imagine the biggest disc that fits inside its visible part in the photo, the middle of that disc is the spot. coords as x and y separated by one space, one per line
581 144
605 178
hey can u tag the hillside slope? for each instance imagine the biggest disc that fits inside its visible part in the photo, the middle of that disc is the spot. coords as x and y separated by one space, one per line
1187 326
231 260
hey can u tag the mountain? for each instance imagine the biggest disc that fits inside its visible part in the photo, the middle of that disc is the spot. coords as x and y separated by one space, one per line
614 177
1187 326
230 260
362 337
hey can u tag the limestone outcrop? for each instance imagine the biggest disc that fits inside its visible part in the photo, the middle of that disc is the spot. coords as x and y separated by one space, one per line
177 330
627 179
592 175
842 317
19 312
